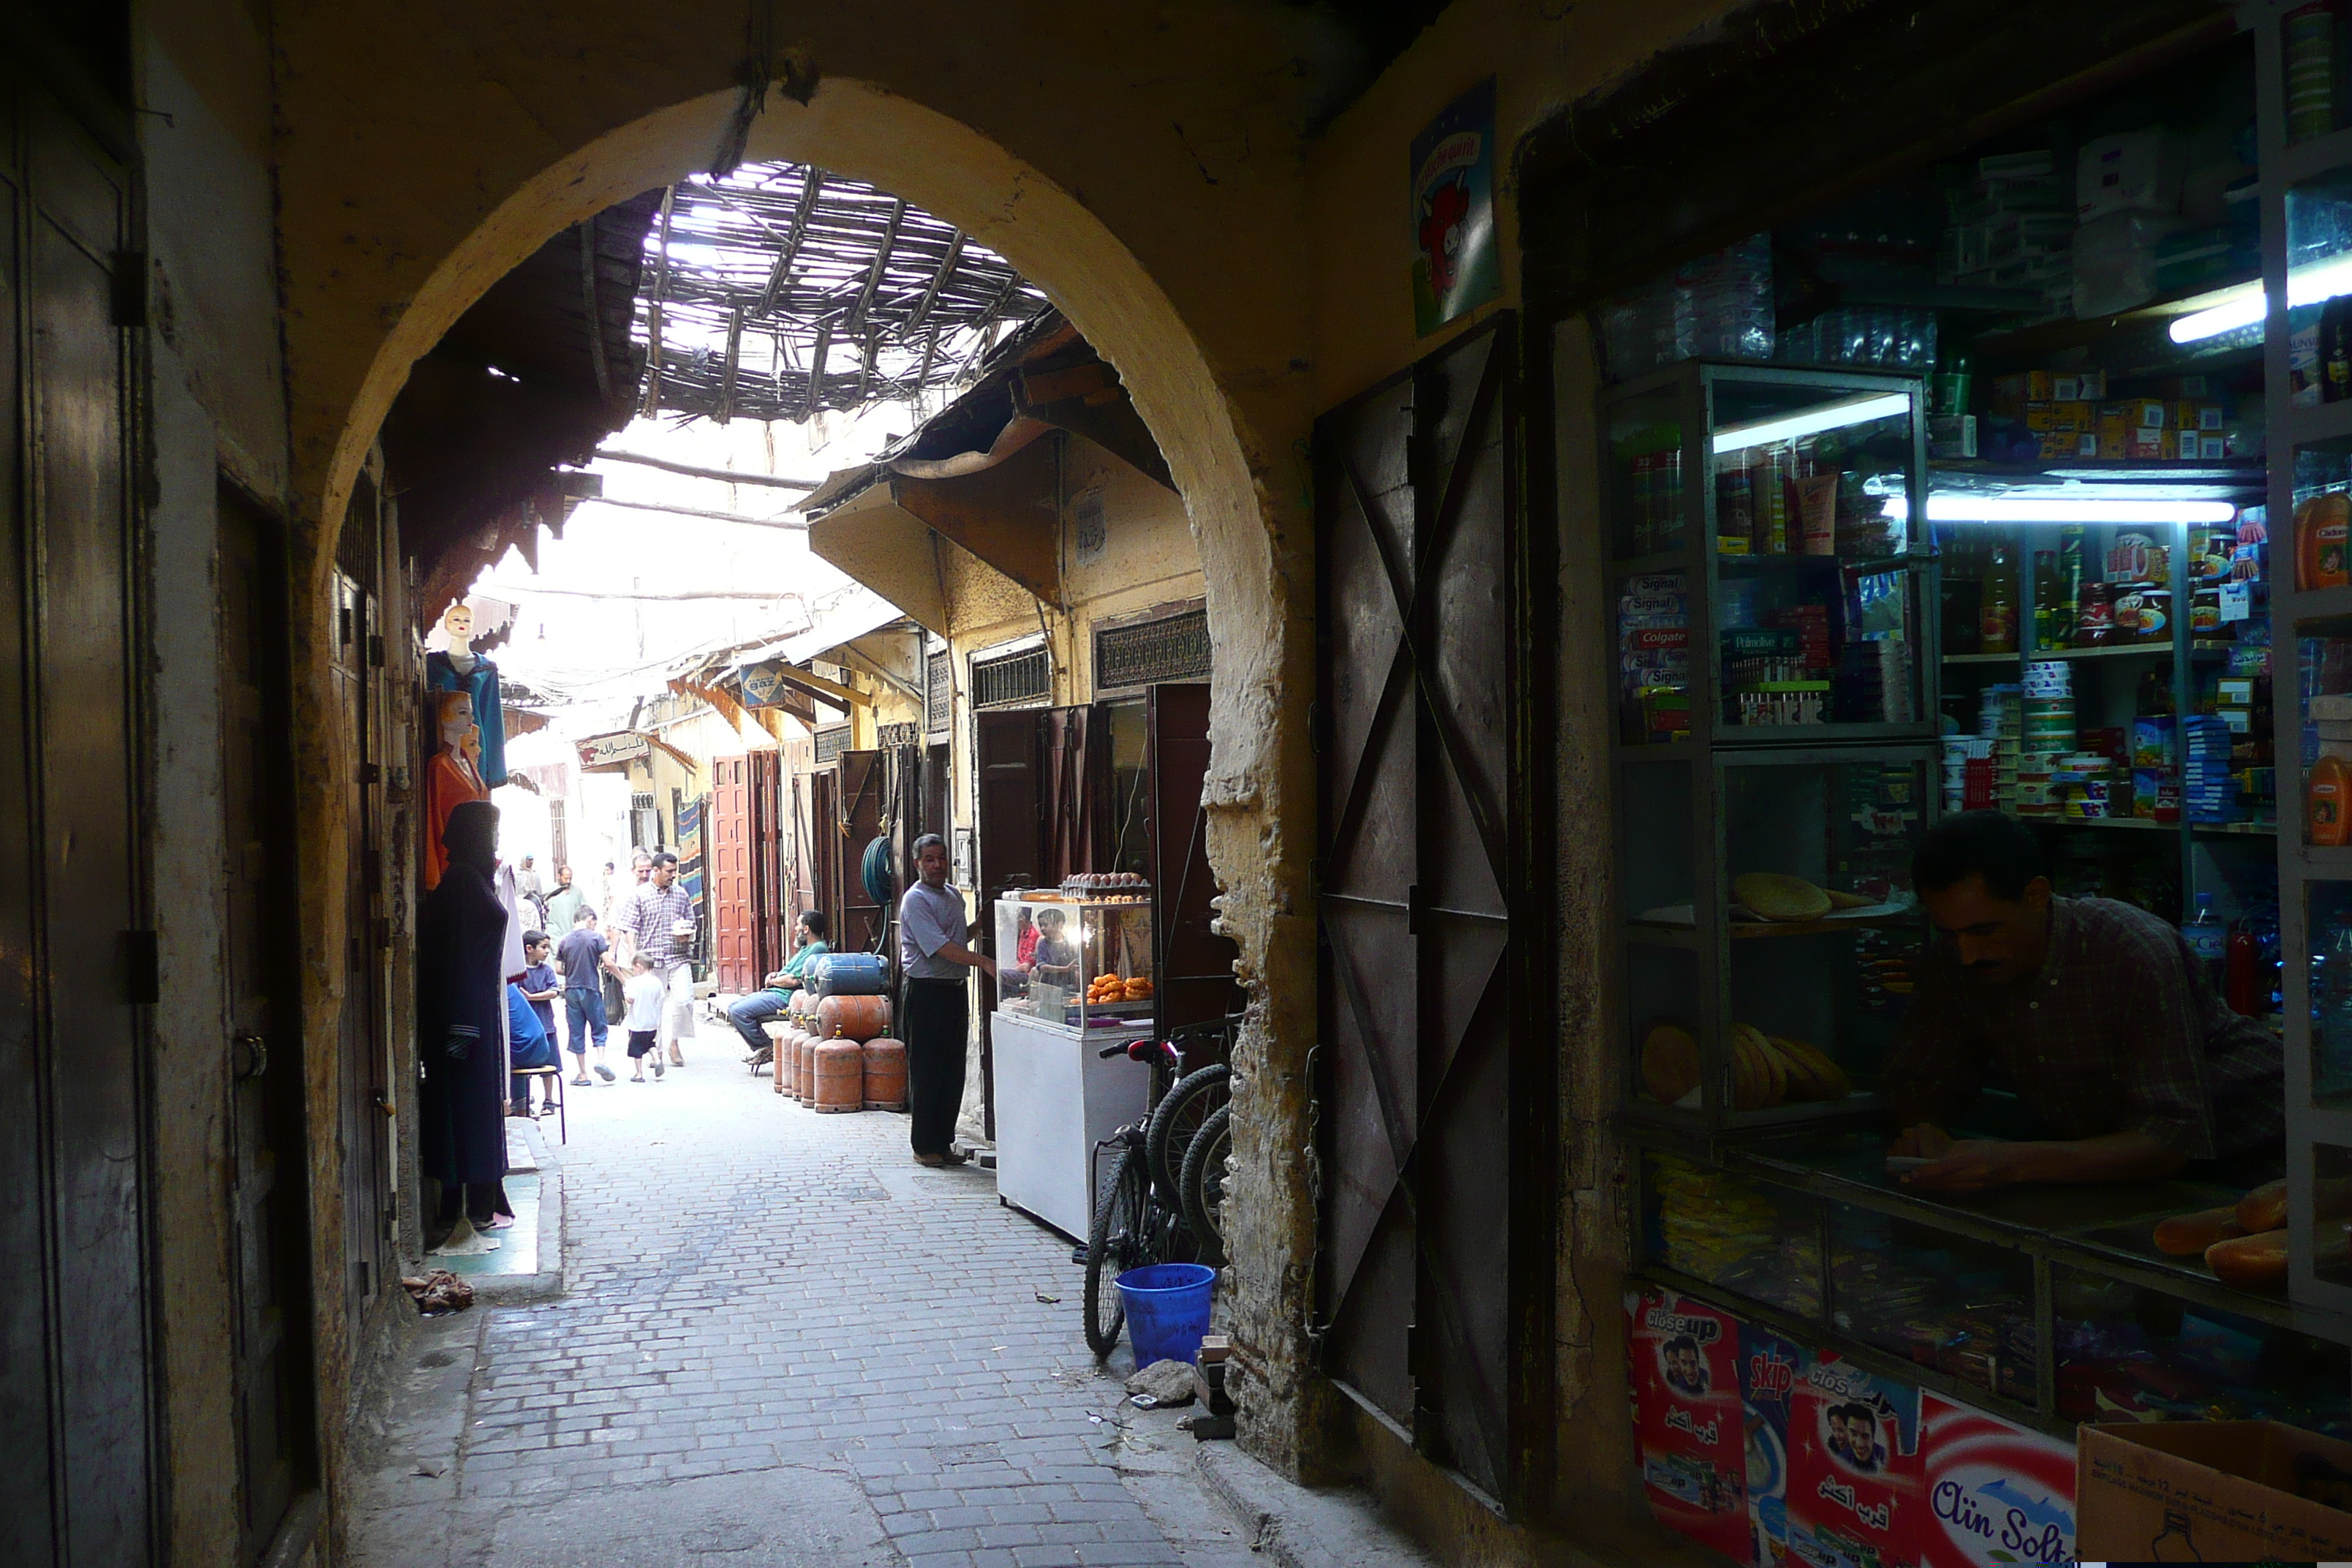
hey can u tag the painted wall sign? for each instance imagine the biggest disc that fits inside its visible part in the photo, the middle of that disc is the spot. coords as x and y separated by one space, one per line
614 751
1457 258
763 684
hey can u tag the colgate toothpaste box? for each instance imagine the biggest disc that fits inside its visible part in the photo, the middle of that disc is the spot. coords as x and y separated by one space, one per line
1769 1368
1997 1493
1688 1419
1855 1473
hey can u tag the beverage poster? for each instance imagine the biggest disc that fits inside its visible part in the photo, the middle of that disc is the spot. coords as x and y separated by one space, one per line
1769 1367
1855 1478
1457 256
1687 1417
1996 1494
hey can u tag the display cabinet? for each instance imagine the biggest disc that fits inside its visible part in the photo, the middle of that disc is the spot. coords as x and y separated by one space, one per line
1075 960
1769 582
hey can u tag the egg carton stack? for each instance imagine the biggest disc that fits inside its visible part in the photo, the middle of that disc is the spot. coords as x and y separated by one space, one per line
2047 718
2001 722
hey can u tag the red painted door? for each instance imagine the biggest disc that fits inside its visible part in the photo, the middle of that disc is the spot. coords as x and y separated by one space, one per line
727 840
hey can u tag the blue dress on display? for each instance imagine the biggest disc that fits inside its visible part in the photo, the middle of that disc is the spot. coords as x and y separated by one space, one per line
482 685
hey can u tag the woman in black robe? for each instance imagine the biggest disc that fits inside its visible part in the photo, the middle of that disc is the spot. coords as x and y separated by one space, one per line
461 1003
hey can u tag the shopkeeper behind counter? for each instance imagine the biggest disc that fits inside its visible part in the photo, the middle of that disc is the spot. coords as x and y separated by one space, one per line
2093 1011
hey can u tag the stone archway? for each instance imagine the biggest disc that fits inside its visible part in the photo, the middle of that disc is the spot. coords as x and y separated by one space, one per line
1259 793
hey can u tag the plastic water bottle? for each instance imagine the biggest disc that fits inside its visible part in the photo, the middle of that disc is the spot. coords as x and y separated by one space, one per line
2208 942
2335 1005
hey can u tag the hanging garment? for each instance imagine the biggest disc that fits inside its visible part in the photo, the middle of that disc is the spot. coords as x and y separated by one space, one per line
450 781
460 1022
479 683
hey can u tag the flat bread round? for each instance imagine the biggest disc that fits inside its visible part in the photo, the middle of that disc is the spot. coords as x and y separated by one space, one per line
1779 897
1669 1062
1846 901
1776 1085
1830 1080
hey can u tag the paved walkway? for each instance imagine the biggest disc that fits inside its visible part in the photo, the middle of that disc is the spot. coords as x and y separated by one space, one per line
781 1341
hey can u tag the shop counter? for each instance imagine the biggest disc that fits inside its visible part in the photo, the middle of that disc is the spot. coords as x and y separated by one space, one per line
1056 1098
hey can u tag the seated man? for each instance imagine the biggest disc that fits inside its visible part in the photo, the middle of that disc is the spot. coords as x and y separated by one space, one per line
2093 1011
749 1012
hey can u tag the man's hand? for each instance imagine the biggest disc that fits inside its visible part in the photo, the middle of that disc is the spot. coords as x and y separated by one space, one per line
1974 1165
1924 1140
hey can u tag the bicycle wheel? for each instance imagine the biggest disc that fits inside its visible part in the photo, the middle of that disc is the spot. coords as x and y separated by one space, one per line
1116 1245
1176 1120
1201 1185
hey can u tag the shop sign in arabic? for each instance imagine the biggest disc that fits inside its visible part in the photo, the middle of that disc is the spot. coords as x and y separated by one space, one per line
614 751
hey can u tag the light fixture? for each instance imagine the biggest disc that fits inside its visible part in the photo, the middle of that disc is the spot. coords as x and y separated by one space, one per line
1812 421
2247 304
1965 508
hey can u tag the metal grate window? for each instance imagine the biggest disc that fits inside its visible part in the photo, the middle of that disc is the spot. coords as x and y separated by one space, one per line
939 690
832 740
1174 647
889 735
1012 679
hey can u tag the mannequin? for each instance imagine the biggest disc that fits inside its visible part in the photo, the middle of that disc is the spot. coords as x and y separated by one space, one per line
451 778
463 669
460 1029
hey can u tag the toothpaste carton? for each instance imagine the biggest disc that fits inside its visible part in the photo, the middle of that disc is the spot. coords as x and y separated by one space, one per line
1996 1494
1856 1485
1688 1420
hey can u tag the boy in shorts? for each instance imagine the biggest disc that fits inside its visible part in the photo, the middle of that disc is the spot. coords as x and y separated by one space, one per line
645 992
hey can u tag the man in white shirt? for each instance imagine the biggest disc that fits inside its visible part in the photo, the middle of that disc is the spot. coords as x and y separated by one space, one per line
660 926
935 1014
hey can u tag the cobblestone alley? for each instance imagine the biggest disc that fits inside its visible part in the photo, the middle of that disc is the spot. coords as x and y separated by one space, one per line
780 1340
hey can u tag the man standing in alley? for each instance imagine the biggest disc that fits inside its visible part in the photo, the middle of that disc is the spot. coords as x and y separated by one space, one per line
660 926
562 905
934 1015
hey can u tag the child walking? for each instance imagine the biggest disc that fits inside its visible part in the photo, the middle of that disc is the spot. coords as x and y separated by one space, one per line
645 992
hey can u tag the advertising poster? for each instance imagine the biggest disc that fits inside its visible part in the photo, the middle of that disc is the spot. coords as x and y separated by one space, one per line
1457 258
1855 1471
1687 1417
1996 1494
1769 1367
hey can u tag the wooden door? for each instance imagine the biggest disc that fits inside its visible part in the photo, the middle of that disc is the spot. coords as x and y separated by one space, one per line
825 852
76 1348
862 815
727 851
1195 964
1434 1259
1073 791
269 1191
772 903
1008 843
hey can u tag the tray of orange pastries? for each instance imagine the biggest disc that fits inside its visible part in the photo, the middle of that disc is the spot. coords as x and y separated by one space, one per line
1104 989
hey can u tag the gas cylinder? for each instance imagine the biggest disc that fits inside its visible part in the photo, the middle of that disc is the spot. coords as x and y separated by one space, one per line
777 1051
788 1062
807 1055
886 1073
840 1076
853 1018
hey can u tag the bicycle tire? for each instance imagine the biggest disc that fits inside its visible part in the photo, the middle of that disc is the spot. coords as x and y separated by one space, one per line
1201 1185
1175 1121
1112 1247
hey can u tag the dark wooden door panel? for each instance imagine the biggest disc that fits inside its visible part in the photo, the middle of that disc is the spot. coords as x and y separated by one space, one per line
1421 1278
1195 964
866 800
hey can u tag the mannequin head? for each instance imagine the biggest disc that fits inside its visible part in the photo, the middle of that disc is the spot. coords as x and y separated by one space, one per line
472 836
453 720
458 625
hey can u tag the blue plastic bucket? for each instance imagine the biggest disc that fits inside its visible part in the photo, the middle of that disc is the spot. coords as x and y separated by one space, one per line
1167 1310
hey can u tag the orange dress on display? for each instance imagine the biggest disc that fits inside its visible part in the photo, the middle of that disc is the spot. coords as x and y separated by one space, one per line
450 780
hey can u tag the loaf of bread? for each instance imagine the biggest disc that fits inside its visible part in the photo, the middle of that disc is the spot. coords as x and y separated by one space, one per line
2187 1235
2251 1262
2263 1209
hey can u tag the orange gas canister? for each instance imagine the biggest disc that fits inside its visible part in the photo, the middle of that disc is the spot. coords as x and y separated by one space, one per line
2325 791
854 1017
886 1073
840 1076
778 1051
806 1057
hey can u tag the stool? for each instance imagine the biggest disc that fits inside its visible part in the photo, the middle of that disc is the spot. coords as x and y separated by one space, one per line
562 1100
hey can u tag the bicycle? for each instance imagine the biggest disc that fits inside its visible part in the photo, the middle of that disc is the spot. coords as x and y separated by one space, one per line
1142 1219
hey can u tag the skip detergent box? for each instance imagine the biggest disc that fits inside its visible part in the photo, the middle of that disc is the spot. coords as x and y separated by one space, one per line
1856 1491
1687 1417
1996 1494
1769 1367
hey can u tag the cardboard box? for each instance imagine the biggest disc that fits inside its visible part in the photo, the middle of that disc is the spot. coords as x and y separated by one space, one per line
1996 1494
2216 1491
2070 417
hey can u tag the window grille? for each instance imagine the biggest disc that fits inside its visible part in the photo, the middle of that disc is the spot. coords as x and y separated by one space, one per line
889 735
1174 647
939 691
559 838
641 800
832 740
1012 679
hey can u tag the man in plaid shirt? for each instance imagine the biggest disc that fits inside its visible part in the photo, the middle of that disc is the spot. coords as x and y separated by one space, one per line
2093 1011
659 922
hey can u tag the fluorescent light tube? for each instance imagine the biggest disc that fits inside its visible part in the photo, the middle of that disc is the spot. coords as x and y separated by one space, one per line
2021 509
1811 421
2243 307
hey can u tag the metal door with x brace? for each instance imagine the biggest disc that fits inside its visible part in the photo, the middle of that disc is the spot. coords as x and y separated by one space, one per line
1434 1266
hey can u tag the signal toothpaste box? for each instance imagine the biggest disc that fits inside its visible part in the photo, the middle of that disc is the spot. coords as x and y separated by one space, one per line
1688 1419
1856 1493
1997 1494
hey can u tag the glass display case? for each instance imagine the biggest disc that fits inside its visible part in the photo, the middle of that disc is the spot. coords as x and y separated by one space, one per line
1075 960
1793 561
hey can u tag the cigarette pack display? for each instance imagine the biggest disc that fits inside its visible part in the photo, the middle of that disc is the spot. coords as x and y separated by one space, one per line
1687 1417
1769 1367
1996 1494
1856 1486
